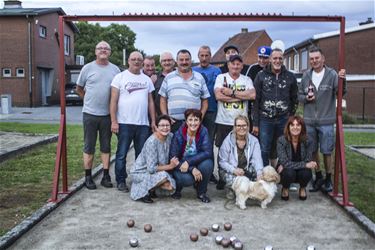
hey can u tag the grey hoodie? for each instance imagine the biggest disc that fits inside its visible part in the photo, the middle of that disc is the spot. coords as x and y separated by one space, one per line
321 111
228 157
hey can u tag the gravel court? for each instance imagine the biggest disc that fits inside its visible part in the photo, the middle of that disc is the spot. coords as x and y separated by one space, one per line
97 220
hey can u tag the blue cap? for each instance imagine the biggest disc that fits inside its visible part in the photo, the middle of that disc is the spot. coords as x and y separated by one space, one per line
264 51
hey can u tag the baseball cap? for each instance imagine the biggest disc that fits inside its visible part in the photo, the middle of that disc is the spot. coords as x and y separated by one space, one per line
230 46
264 51
232 58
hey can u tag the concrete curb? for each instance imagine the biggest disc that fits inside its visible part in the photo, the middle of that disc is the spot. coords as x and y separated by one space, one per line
15 233
356 147
359 126
7 155
357 216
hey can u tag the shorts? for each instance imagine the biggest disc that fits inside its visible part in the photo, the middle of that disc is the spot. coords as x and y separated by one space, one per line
91 125
323 134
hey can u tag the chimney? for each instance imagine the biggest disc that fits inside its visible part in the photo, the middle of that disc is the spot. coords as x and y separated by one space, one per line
244 30
369 20
12 4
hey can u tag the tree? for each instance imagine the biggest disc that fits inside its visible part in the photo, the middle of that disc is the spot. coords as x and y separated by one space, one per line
119 37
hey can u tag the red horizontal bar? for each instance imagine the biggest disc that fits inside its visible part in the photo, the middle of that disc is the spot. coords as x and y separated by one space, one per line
204 17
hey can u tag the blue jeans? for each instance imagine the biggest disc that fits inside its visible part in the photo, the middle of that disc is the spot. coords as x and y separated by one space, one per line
267 129
187 179
126 134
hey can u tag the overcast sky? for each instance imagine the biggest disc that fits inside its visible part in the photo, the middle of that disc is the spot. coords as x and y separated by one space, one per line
155 37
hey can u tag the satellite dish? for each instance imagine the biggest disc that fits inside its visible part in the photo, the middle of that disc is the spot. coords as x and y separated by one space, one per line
278 44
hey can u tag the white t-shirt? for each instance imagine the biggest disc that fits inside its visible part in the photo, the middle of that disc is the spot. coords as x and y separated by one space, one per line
228 111
132 107
317 78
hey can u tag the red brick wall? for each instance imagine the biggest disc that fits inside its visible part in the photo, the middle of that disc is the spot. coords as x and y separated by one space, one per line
14 53
359 93
251 55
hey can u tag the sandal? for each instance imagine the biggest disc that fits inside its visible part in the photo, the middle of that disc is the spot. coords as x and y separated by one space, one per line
204 198
285 197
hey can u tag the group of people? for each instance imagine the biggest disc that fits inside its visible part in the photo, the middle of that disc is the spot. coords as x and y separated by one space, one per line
174 117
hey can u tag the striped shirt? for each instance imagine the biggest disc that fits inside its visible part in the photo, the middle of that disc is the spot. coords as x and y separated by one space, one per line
183 94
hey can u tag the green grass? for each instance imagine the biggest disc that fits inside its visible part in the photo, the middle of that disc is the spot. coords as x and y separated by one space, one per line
26 180
361 174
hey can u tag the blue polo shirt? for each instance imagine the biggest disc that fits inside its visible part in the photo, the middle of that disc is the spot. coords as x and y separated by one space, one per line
209 74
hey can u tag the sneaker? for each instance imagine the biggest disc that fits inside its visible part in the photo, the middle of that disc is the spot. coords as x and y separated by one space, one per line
146 199
220 185
176 195
122 187
89 182
317 185
327 186
106 181
204 198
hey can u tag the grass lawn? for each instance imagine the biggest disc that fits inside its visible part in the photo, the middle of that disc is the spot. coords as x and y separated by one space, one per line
26 180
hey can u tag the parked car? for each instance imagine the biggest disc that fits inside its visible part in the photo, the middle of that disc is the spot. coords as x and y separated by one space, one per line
71 95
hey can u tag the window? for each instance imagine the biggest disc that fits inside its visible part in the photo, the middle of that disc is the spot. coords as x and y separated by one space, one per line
66 45
296 62
42 31
7 72
289 63
20 72
304 60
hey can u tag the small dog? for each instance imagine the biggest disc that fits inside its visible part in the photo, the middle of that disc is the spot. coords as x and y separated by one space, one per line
262 190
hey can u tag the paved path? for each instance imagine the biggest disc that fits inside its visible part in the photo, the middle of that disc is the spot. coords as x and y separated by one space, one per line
97 220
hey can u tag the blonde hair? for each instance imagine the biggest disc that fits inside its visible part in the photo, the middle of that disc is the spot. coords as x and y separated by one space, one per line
242 118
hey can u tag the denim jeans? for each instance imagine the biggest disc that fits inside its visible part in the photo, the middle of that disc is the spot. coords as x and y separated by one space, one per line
187 179
267 129
126 134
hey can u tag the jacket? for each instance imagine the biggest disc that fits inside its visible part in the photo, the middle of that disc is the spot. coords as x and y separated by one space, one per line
228 157
284 153
203 144
321 111
275 96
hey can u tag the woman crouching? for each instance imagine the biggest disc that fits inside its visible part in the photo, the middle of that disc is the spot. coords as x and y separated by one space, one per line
294 153
192 146
150 170
240 154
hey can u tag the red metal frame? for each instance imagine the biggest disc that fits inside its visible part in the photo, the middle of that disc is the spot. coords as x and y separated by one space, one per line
340 164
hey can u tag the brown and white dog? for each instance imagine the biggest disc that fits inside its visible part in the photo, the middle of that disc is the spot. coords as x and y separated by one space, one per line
262 190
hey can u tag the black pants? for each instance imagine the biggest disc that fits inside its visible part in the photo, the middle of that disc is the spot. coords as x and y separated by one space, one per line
301 176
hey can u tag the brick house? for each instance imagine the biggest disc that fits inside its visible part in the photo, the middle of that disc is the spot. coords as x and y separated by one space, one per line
247 43
359 64
29 53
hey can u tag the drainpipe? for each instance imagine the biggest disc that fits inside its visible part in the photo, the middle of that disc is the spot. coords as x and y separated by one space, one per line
30 75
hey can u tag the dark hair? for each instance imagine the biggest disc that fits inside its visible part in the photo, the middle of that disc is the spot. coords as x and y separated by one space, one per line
315 49
194 112
303 134
151 58
163 117
183 51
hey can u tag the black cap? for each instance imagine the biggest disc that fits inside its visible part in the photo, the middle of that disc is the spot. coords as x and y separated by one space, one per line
231 46
233 58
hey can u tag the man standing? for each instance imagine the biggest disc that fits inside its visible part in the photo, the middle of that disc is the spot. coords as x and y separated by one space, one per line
149 68
276 99
264 53
229 51
317 93
209 73
167 64
131 106
233 91
94 86
183 89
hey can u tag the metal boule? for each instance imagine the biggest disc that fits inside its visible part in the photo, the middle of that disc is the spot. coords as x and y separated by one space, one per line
225 242
203 231
133 242
269 247
227 226
194 237
147 228
215 227
130 223
238 245
218 239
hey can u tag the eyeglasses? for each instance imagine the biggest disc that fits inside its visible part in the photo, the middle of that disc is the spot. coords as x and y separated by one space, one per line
277 58
164 126
103 48
241 126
